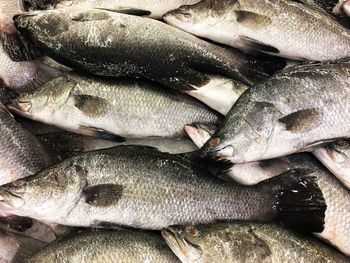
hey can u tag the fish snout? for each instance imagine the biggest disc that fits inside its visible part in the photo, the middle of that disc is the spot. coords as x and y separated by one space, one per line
20 106
180 14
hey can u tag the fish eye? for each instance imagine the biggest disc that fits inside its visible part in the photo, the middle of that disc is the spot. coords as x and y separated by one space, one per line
192 231
340 142
214 141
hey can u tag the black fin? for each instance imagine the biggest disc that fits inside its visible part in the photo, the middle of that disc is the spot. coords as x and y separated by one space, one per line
302 120
101 133
91 106
129 11
18 223
103 195
299 201
90 16
252 44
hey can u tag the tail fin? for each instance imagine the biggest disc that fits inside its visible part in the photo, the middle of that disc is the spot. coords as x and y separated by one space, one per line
299 201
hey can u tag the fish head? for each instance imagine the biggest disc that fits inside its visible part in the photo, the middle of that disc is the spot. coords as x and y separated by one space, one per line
245 134
43 103
47 195
40 4
202 19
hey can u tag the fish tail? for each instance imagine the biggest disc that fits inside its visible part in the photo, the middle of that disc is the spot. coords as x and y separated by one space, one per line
299 201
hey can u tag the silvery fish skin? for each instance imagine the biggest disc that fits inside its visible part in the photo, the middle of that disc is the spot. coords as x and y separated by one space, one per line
154 9
297 108
140 187
246 242
280 27
68 144
336 157
124 246
14 248
112 108
114 44
21 153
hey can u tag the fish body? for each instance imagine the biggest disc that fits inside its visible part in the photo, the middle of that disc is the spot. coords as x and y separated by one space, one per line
21 153
112 108
140 187
124 246
280 27
246 242
114 44
297 108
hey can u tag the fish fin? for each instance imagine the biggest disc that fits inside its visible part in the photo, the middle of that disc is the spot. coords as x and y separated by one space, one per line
299 200
17 48
103 195
101 133
128 11
18 223
316 144
90 15
302 120
252 44
91 106
251 19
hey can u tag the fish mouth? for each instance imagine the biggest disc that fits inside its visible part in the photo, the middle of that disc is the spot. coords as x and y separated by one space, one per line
182 248
178 15
19 106
6 196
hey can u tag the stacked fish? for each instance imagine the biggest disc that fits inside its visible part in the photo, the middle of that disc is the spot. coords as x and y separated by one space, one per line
105 104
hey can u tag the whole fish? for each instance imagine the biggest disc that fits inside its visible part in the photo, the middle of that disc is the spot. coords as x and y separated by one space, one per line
124 246
140 187
298 108
14 248
114 44
154 9
112 109
21 154
68 144
283 28
336 157
246 242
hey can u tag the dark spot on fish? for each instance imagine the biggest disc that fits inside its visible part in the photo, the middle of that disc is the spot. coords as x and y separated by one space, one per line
214 141
18 223
103 195
302 120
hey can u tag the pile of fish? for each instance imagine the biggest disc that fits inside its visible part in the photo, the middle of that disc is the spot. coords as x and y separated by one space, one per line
192 131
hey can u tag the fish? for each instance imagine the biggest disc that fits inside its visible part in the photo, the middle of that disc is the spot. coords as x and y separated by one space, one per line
112 109
346 8
67 144
141 187
36 128
126 45
24 75
14 248
238 242
297 108
106 246
284 28
21 153
335 156
154 9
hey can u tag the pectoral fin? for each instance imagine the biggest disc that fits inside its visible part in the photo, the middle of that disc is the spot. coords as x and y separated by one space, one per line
91 106
251 19
128 11
103 195
302 120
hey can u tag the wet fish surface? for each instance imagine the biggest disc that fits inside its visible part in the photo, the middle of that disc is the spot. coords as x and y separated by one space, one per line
246 242
112 109
21 153
297 108
124 246
280 27
140 187
114 44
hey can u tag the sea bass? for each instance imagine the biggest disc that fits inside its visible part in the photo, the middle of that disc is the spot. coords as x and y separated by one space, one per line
124 246
111 109
21 154
246 242
140 187
114 44
297 108
283 28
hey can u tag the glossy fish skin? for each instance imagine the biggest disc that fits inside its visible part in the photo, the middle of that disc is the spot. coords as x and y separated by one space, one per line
107 108
140 187
246 242
336 157
297 108
124 246
280 27
114 44
14 248
21 153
